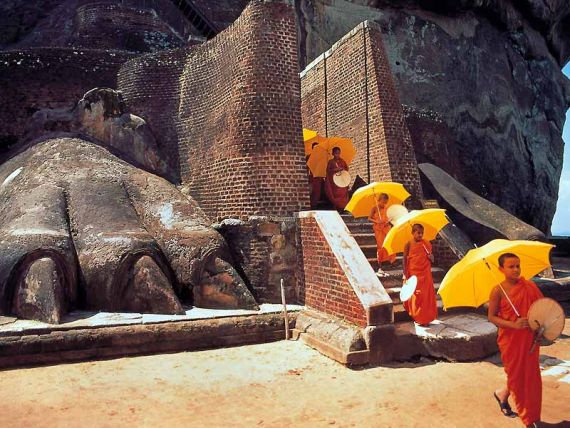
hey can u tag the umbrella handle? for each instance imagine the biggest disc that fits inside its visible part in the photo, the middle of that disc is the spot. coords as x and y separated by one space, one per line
501 287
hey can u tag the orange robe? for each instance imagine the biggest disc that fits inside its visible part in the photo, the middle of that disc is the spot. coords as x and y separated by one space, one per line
315 187
380 232
337 195
422 306
521 367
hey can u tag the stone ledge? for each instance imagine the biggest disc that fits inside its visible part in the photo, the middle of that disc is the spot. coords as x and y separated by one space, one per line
456 337
55 347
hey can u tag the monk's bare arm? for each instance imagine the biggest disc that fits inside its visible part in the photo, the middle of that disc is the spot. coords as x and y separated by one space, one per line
370 217
492 313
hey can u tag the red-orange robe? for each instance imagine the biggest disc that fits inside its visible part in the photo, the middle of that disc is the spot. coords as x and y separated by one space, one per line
337 195
522 368
315 187
422 306
380 232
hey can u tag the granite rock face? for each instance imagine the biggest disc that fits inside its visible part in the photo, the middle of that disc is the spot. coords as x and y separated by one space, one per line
481 85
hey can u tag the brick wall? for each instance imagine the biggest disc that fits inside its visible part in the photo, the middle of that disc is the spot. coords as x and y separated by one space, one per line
264 251
334 275
349 91
48 78
113 26
231 109
326 287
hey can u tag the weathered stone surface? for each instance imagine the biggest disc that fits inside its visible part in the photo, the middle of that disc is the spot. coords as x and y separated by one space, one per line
264 249
131 237
481 83
134 25
101 114
342 338
452 337
479 218
62 345
149 290
222 287
40 294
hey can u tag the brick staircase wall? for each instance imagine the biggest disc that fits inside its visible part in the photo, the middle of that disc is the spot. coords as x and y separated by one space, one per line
335 276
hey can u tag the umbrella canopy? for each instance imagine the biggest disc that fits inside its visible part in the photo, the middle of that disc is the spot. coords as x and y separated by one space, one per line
364 198
309 138
432 220
470 281
320 156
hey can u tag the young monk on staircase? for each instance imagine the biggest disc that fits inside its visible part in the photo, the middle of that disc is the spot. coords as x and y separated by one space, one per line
418 259
515 339
381 226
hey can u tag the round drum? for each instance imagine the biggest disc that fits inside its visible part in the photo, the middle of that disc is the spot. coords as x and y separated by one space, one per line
394 212
342 179
547 315
408 288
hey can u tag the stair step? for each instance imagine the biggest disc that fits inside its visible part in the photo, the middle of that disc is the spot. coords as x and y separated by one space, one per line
394 278
394 293
364 238
400 313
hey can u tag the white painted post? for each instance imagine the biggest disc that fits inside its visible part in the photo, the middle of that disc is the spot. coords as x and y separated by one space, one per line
285 311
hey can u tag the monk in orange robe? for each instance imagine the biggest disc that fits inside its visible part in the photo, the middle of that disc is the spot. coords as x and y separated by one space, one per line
418 258
381 226
337 195
515 341
315 183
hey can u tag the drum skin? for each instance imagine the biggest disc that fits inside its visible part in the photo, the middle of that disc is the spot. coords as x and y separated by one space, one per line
342 179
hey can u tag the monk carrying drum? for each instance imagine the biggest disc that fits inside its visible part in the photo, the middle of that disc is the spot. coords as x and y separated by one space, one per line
508 307
337 195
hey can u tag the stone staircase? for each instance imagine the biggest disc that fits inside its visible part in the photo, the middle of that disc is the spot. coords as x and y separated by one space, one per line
361 230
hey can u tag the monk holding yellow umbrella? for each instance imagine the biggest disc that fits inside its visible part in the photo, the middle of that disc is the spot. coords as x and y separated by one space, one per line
422 227
373 201
496 273
330 159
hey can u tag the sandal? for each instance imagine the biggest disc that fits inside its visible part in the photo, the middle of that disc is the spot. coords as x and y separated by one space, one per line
505 407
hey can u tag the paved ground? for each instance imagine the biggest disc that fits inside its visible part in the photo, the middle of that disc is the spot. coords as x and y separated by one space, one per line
277 385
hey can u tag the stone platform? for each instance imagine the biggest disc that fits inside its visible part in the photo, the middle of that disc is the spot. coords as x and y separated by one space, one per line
456 336
88 335
453 337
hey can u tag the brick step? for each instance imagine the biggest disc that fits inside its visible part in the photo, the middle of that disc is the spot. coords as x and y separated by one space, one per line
400 313
360 227
396 265
364 238
394 278
394 293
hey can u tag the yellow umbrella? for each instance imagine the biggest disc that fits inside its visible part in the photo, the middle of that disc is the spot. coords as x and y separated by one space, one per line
470 281
309 138
321 154
432 220
365 197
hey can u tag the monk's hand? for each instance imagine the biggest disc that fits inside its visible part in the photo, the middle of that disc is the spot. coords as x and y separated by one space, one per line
521 323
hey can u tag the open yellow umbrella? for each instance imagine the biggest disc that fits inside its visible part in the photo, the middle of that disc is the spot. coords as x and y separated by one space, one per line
321 154
470 281
432 220
309 138
365 197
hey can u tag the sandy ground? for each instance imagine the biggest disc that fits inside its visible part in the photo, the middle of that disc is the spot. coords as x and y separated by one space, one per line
281 384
